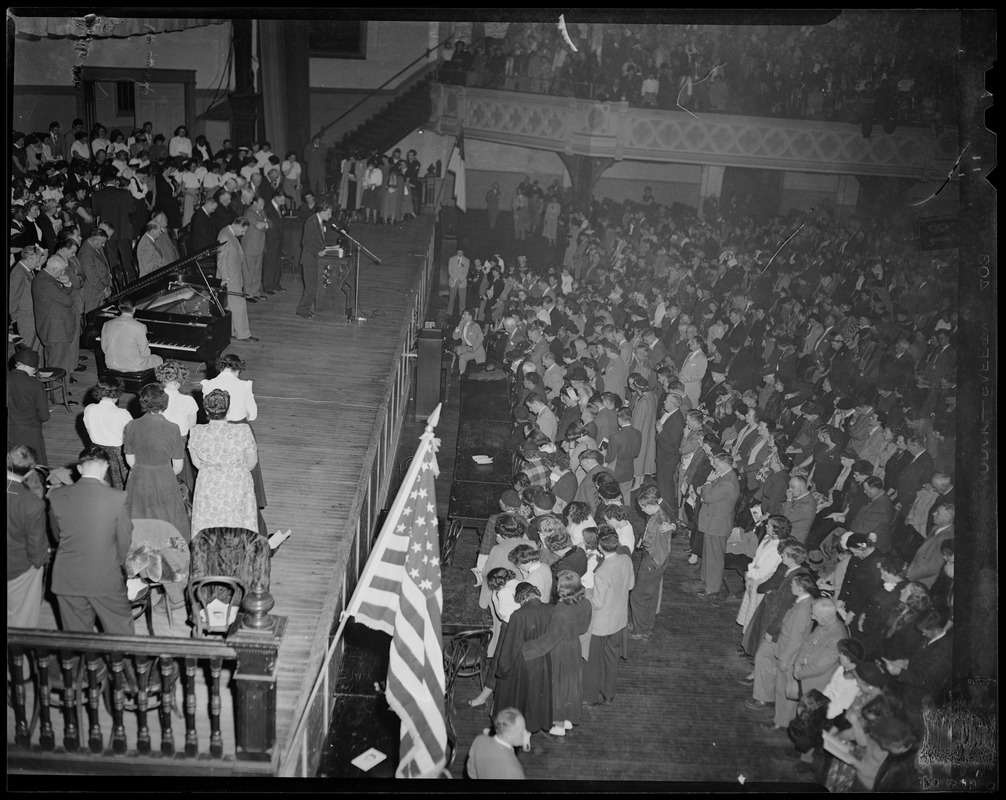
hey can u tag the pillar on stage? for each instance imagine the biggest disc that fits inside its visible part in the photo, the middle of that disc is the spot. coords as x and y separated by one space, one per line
846 197
584 173
711 185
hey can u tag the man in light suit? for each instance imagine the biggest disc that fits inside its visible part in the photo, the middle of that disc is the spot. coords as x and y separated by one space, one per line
20 305
670 432
94 263
872 444
716 518
90 521
148 257
124 342
693 370
796 626
312 245
800 508
616 371
613 580
457 281
472 347
55 316
230 271
817 657
928 561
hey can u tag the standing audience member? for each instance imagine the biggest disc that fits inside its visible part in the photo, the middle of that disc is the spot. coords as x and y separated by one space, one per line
91 526
27 545
613 580
224 454
27 405
105 424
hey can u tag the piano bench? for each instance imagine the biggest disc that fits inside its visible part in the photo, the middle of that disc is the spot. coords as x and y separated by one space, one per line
133 381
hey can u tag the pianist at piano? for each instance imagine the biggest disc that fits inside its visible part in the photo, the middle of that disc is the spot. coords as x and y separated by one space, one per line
124 342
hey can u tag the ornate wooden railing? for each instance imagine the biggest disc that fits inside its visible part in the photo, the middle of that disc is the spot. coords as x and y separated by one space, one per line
118 683
620 132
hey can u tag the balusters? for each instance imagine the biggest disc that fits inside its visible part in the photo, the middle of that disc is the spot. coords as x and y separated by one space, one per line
216 740
191 739
95 740
168 676
71 736
17 697
143 665
118 704
46 735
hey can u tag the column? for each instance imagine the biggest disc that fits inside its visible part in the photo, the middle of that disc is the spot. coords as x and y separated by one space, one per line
711 184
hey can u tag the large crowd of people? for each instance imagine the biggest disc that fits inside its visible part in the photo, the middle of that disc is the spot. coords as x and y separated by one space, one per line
781 418
862 66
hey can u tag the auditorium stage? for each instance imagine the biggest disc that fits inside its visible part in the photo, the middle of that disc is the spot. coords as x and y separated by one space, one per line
322 389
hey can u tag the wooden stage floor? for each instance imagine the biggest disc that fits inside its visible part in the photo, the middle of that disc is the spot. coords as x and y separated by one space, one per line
319 388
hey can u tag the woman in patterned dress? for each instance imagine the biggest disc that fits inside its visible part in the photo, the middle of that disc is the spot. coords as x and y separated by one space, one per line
224 454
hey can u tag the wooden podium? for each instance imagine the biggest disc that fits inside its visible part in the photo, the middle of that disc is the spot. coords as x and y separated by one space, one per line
336 292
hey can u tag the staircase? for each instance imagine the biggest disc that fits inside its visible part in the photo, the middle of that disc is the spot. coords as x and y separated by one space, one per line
411 109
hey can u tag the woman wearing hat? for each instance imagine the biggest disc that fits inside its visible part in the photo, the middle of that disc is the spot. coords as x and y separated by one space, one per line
27 405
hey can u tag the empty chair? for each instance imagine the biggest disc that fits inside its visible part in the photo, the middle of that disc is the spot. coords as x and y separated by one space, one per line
216 605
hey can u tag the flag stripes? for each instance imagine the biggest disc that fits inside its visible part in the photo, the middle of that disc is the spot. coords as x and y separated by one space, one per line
401 594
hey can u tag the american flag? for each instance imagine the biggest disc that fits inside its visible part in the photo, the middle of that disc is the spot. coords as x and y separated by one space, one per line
400 593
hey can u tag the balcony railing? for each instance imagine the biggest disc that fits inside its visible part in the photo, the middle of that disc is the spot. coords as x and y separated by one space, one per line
84 703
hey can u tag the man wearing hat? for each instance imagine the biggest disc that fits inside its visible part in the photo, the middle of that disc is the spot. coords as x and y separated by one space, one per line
27 405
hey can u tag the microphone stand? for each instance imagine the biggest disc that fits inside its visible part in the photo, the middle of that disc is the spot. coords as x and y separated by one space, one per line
358 247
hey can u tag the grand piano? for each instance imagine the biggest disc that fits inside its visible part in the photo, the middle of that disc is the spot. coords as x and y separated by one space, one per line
182 305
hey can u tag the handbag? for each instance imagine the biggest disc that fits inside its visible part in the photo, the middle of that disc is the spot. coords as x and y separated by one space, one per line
792 688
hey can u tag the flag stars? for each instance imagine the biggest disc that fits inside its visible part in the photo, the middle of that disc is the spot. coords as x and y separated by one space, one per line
414 573
425 585
400 529
426 559
429 545
426 465
420 521
431 508
434 562
413 495
422 493
417 547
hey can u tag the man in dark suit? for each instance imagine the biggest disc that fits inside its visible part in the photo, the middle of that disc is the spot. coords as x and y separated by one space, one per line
670 432
928 671
272 267
586 492
914 476
623 447
877 516
90 521
312 244
225 212
55 314
114 204
657 352
97 276
203 230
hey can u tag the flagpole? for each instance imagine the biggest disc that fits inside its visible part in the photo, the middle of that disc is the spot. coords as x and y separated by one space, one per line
425 442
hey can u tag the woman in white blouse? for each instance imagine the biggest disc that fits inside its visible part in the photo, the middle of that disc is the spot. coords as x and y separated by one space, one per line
99 140
182 410
180 144
242 410
191 183
766 560
291 177
105 422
